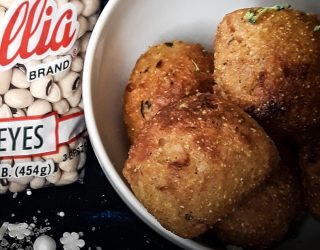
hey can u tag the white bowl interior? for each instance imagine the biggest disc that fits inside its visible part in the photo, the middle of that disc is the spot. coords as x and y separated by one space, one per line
124 31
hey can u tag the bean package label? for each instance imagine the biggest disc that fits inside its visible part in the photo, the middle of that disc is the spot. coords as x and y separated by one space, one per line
43 138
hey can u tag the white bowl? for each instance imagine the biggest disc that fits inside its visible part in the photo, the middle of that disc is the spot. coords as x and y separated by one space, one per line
123 32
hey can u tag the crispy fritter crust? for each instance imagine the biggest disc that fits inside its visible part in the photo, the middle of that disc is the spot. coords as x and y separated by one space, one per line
266 216
195 160
271 68
310 168
163 75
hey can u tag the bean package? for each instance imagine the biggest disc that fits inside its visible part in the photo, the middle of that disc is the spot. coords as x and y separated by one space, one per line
43 139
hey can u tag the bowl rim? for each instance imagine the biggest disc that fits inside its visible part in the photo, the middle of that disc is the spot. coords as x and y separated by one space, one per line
112 175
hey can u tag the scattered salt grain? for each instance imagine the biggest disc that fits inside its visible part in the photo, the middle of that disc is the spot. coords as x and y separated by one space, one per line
4 243
61 214
3 229
35 219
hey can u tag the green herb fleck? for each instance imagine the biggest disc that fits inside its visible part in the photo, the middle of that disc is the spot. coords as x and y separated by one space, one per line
252 16
183 105
143 106
317 28
195 65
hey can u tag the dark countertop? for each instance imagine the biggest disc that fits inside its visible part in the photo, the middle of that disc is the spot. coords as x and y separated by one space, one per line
92 208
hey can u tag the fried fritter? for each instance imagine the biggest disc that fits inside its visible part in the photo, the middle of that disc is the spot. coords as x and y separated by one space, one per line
310 168
196 160
164 74
266 216
271 68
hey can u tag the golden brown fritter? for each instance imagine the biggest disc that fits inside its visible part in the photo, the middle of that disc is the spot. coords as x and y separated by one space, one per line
163 75
266 216
271 68
195 160
310 168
